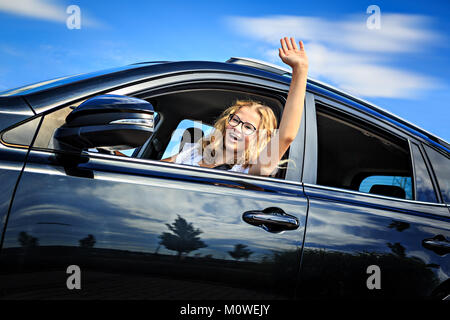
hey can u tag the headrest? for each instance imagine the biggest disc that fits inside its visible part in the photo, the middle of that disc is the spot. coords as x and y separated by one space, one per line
388 190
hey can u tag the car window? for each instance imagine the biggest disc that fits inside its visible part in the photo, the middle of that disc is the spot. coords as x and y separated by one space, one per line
187 131
355 155
441 167
181 116
424 187
403 184
22 134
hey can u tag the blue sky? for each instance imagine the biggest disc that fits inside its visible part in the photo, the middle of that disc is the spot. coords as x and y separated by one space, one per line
402 67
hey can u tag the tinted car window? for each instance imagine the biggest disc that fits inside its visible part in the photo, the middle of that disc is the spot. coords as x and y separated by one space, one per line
350 151
441 167
424 187
21 135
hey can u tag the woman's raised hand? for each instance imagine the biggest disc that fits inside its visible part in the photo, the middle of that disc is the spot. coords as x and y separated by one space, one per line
292 55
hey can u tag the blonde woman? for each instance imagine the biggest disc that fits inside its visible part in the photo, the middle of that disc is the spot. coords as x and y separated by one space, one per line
246 138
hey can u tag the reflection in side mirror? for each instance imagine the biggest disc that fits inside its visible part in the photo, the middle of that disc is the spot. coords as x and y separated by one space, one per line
110 122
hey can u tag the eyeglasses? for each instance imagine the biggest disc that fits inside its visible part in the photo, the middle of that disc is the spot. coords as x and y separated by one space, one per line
247 127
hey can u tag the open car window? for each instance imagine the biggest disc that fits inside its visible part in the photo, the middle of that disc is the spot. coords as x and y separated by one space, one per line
189 115
181 116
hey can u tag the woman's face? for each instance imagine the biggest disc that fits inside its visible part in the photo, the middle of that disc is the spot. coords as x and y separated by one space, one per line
235 138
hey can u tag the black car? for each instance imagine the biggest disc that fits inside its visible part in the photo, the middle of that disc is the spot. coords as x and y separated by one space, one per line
88 210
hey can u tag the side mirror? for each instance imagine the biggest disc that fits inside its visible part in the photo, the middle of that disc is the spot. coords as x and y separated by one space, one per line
111 122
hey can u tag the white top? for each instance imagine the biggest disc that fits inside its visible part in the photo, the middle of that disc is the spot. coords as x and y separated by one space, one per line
191 155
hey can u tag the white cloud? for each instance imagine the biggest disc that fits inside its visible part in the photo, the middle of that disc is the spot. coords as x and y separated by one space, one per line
42 9
348 54
365 74
398 32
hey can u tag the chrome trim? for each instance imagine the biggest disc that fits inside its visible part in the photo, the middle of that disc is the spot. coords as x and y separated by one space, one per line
141 122
44 169
9 165
28 113
436 243
372 195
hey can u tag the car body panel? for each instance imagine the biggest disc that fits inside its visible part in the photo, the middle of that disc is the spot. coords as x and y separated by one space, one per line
347 232
126 206
11 165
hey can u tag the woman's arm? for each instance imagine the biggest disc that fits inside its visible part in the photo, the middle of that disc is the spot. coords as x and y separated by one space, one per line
296 58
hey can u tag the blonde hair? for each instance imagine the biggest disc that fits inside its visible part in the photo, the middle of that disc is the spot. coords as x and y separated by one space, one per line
265 131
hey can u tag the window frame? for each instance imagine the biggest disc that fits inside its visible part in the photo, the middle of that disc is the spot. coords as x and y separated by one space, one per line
251 85
145 90
311 147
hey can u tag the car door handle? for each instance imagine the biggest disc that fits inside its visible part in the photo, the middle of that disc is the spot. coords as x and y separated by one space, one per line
271 219
439 244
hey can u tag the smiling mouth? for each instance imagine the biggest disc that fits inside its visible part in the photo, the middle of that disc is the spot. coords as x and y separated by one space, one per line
234 137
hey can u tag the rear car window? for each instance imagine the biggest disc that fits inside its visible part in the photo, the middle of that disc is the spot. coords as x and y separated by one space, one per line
441 167
355 155
424 187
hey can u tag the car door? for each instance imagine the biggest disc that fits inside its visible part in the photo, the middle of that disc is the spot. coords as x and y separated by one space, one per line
372 230
145 229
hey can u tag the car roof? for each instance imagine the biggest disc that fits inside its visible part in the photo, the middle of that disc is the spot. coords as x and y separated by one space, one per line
258 68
